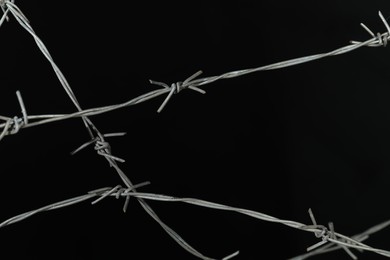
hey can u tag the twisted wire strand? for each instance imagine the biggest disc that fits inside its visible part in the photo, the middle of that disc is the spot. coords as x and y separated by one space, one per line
327 235
118 191
61 204
5 11
192 83
331 239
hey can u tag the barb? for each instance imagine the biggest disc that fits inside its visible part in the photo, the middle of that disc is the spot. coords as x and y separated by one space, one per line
379 39
95 140
21 103
119 191
101 146
331 247
13 125
326 234
177 87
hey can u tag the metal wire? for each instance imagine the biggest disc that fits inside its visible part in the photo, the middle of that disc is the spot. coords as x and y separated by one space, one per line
377 40
330 240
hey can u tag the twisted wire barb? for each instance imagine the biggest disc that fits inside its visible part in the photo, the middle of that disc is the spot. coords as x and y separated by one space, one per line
332 247
13 125
177 87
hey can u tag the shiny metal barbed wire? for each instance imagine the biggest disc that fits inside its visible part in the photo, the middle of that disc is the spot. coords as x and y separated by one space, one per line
13 125
61 204
34 120
331 247
327 235
380 39
330 239
102 193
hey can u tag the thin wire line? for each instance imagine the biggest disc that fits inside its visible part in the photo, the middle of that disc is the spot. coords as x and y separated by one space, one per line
192 83
332 239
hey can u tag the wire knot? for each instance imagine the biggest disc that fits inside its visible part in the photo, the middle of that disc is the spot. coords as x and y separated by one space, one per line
175 88
378 39
102 147
322 233
382 39
118 191
4 8
326 235
11 126
178 86
16 125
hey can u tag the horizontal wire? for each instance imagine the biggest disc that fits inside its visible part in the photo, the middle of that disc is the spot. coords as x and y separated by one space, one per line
331 237
192 83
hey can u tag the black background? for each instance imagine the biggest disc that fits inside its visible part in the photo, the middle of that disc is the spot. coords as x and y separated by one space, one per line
280 142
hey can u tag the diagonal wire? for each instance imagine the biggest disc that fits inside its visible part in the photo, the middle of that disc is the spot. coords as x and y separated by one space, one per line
23 21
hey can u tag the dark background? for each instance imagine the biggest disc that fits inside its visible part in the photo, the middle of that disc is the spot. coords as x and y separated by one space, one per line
279 142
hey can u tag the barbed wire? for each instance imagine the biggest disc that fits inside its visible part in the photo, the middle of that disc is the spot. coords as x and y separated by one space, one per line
330 240
332 247
380 39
